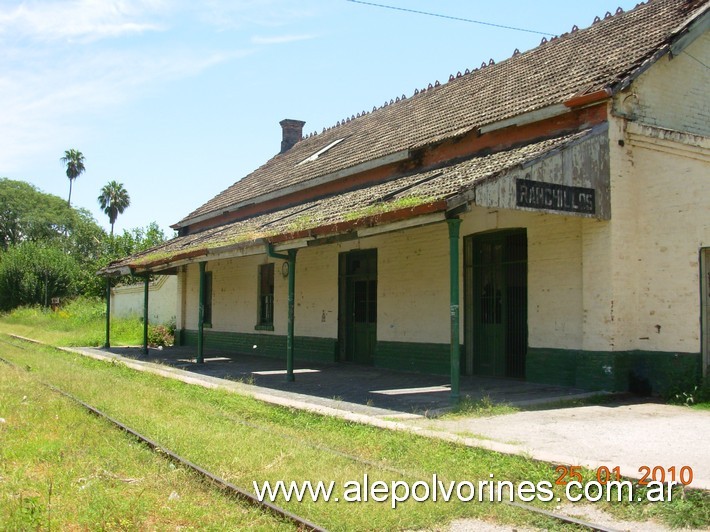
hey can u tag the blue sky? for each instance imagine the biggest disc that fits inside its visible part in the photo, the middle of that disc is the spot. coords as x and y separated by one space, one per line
178 99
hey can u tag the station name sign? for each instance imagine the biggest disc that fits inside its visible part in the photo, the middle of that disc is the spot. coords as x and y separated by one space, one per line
549 196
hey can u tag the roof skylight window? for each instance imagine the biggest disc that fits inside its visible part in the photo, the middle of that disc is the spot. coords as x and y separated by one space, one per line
320 152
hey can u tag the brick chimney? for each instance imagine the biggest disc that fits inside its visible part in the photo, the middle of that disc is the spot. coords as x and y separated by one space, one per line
292 133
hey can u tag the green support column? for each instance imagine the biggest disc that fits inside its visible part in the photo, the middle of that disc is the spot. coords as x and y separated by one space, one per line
291 313
146 280
107 344
454 225
201 317
291 258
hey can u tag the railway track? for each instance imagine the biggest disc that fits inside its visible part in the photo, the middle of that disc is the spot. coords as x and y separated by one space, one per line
244 495
223 485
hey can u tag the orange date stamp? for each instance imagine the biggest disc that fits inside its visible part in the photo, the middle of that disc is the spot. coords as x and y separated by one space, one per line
680 475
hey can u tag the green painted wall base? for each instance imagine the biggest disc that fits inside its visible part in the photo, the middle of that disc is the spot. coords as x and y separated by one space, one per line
641 372
305 347
424 358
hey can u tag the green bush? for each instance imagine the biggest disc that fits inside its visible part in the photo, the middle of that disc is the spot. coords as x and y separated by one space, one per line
32 274
160 336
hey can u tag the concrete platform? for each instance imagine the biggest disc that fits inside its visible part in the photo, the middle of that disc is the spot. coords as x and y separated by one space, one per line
396 391
628 432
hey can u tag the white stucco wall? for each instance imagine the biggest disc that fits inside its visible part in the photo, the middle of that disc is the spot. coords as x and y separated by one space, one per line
644 265
234 283
663 180
412 288
673 93
127 300
413 284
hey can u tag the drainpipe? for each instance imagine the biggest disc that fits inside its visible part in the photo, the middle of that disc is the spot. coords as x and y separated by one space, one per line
107 344
201 317
146 278
291 258
454 225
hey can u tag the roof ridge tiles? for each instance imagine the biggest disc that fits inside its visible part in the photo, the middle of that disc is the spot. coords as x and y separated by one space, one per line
544 40
491 62
458 75
361 114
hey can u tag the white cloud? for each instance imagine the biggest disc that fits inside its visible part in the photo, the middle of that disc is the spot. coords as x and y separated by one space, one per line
280 39
239 14
58 96
60 69
83 20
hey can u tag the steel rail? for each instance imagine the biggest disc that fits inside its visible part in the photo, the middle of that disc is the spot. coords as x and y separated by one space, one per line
252 499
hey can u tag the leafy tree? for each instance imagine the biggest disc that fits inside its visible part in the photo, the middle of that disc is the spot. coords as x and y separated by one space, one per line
114 199
85 239
28 214
137 239
74 161
129 242
89 245
33 273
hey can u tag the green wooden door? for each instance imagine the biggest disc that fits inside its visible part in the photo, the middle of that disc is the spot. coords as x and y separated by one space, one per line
495 312
360 307
489 308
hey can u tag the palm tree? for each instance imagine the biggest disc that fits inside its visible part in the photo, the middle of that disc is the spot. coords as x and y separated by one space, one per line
114 200
74 161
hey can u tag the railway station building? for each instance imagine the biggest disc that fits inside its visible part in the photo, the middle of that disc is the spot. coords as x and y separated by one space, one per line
544 218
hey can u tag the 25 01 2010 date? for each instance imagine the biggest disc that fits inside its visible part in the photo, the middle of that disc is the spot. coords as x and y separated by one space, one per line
682 475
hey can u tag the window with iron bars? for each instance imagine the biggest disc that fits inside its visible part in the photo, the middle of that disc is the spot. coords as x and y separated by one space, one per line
266 297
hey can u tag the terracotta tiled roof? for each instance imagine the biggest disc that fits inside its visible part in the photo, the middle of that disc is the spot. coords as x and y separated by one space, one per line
351 210
581 62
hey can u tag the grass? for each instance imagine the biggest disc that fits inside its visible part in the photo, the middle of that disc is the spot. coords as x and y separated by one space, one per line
388 206
244 440
483 407
236 437
81 322
696 397
486 407
61 468
302 222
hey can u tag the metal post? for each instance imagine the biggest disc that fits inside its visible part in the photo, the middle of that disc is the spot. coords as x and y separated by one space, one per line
146 279
201 317
291 314
454 225
291 258
108 313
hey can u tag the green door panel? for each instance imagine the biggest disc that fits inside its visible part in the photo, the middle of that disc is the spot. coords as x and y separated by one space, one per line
495 303
360 309
489 303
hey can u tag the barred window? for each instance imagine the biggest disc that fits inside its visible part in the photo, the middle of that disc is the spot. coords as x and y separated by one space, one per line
207 299
266 295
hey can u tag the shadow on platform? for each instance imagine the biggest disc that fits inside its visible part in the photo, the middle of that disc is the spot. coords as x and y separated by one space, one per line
361 385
